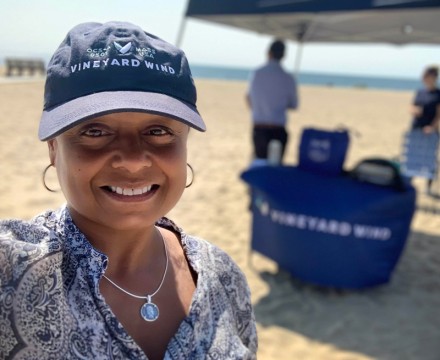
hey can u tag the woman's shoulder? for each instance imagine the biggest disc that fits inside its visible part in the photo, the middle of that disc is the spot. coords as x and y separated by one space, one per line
208 255
32 231
22 242
223 277
202 254
208 259
215 263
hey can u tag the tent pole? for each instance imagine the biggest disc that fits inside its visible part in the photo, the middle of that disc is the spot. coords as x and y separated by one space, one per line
182 27
298 58
181 32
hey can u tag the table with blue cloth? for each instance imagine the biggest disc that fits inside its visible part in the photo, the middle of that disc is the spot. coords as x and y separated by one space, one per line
328 230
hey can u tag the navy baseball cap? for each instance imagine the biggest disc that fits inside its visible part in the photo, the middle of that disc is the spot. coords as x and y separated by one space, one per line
114 67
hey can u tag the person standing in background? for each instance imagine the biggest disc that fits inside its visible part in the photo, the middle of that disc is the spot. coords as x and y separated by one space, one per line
426 107
271 92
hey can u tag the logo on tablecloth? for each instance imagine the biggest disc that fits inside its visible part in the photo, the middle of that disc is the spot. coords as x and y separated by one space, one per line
320 224
263 206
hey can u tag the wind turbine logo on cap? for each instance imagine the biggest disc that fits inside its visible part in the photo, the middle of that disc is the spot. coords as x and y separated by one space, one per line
122 49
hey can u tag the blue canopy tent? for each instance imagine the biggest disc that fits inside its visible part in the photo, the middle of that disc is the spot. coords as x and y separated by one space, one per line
389 21
361 21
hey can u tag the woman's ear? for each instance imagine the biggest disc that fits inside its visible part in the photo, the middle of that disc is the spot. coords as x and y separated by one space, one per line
53 146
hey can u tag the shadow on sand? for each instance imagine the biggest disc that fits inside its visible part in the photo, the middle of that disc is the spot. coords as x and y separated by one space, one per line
397 321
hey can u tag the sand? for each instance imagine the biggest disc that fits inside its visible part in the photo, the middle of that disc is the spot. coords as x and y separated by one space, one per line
397 321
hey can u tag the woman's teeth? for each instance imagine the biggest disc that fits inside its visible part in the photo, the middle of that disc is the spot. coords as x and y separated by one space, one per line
130 192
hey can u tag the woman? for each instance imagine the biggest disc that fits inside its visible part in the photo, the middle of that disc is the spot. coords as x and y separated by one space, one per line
426 108
107 276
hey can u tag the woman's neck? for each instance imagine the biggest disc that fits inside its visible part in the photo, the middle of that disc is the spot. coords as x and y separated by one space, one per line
128 250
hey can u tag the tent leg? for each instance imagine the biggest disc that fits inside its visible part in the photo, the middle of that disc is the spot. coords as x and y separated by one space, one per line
181 32
298 58
182 27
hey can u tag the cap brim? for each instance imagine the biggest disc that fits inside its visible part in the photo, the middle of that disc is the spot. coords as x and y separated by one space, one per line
63 117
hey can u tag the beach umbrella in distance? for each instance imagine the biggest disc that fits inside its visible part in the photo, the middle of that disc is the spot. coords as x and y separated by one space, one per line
323 21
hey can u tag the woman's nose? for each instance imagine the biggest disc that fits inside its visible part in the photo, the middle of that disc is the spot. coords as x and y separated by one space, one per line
132 154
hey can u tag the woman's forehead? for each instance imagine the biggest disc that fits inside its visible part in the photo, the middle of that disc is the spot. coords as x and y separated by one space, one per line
134 118
131 115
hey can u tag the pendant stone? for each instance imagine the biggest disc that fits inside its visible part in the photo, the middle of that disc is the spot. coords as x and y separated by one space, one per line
149 311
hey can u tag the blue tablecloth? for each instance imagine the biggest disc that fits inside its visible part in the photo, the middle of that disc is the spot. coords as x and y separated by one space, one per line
328 230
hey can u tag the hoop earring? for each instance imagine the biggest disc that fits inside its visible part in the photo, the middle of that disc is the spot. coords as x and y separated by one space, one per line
192 176
44 179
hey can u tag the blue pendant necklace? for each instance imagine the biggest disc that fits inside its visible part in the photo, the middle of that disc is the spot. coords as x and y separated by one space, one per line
149 311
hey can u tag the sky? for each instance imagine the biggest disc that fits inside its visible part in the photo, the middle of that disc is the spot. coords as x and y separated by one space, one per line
36 28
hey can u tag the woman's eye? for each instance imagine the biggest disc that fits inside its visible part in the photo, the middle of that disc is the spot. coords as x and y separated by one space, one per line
93 132
159 132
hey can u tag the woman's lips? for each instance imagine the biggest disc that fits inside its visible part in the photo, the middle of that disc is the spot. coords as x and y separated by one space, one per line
131 191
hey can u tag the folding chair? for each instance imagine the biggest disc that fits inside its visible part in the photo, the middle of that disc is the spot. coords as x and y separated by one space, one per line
420 159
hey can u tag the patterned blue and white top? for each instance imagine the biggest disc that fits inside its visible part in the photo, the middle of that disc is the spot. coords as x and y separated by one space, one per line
51 307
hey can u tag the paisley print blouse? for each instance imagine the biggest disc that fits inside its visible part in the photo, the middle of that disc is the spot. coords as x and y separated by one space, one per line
51 307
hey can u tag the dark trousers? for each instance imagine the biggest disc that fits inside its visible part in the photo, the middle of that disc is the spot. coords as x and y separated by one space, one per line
262 135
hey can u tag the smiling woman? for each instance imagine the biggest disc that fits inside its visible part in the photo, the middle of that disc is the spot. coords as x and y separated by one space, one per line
121 170
107 275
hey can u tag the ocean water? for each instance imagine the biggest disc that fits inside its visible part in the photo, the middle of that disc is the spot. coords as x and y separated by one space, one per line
306 78
227 73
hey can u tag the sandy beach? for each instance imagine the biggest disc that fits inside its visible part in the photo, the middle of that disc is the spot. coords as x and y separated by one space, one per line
397 321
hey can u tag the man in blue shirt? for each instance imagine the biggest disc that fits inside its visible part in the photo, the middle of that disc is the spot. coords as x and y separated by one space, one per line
271 92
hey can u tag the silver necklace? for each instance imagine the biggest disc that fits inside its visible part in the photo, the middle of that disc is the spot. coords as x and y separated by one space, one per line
149 311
